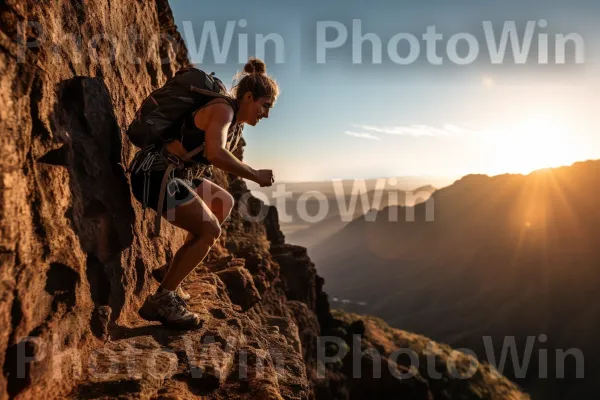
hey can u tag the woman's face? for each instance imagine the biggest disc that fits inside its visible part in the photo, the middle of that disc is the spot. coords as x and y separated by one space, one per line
255 110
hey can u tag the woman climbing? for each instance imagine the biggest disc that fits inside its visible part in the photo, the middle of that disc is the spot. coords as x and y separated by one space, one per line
198 205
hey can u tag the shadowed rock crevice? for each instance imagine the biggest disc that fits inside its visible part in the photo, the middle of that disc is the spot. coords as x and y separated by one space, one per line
61 284
101 231
140 275
153 72
16 313
17 372
199 383
58 157
96 149
78 8
102 211
72 100
108 389
100 290
9 368
98 280
37 126
9 18
36 209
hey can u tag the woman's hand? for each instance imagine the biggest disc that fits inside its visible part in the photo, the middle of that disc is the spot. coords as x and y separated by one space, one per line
264 177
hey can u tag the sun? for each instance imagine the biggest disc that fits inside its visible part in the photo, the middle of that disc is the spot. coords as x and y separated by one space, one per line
537 142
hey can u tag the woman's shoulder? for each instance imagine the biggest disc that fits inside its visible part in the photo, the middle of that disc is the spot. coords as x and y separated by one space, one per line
219 105
217 109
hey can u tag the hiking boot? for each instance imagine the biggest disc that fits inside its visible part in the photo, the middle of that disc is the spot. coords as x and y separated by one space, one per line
159 275
170 310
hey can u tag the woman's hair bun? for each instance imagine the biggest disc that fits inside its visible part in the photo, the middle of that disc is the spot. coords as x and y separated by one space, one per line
255 65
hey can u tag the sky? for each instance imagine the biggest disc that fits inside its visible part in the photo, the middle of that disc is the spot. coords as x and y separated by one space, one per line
400 105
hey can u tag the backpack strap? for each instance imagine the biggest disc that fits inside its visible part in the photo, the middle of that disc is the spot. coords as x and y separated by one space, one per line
161 197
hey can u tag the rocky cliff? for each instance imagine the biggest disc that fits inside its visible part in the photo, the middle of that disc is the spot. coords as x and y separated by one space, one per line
77 251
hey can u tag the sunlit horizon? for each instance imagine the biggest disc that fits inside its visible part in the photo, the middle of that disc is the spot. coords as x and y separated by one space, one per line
538 142
345 121
427 179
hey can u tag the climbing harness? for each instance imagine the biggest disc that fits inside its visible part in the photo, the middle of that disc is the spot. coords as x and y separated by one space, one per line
151 159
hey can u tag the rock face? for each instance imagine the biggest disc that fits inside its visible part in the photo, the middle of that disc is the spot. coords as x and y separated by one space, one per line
77 251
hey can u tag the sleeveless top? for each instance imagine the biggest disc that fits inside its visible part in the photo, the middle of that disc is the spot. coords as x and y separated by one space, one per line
191 137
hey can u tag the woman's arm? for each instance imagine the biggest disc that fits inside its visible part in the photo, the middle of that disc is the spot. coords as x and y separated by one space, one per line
219 116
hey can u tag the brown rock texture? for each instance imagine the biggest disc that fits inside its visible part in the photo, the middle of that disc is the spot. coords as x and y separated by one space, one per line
435 370
77 252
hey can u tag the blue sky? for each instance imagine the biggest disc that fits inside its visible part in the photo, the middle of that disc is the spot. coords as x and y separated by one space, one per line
341 119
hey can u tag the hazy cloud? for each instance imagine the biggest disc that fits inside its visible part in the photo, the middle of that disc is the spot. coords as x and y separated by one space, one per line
416 130
362 135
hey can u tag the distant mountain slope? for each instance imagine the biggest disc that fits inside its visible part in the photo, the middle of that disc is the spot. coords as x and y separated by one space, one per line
341 211
509 255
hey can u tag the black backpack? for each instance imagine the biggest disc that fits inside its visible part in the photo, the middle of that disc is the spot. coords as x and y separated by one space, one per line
164 111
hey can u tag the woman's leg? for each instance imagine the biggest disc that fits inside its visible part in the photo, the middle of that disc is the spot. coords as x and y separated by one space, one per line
203 229
218 200
165 306
220 204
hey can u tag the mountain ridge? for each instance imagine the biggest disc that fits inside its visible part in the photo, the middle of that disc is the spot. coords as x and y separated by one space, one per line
510 255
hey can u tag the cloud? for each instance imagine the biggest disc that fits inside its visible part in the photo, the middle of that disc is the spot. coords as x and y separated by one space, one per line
416 130
362 135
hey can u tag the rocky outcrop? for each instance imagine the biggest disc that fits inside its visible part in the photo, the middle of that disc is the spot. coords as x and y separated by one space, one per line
406 365
240 286
77 251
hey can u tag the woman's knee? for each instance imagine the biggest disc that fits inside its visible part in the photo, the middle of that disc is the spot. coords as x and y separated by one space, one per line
228 203
220 201
211 231
198 220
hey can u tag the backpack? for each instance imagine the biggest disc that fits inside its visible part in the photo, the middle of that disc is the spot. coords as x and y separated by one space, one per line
163 112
